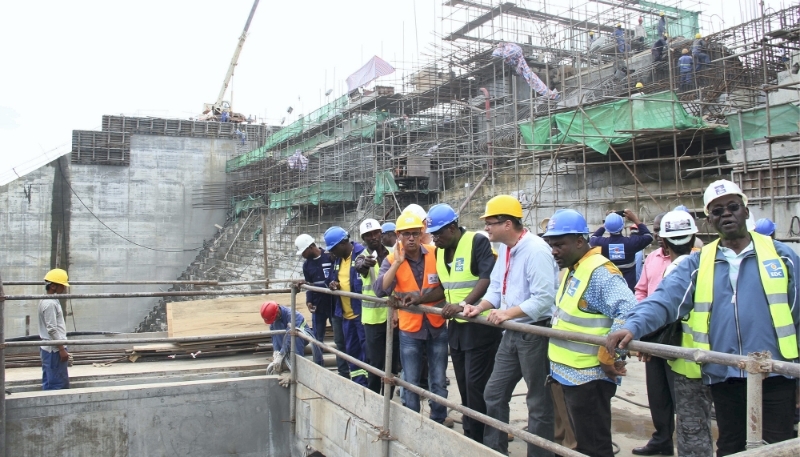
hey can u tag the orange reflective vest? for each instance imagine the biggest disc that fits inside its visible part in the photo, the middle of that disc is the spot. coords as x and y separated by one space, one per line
407 286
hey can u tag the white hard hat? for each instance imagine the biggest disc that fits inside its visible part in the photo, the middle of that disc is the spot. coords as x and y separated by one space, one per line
369 225
720 188
678 227
303 242
416 210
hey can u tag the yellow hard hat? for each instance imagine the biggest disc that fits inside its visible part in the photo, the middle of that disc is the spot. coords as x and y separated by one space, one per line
639 85
591 32
408 221
685 51
503 205
666 35
661 13
619 24
697 35
57 276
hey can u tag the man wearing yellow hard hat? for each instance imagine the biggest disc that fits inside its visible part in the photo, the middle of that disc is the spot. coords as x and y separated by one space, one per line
55 359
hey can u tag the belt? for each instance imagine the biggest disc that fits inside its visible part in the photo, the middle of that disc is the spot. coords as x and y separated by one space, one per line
543 323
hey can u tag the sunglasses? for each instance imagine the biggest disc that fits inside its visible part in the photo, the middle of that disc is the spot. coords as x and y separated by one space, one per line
720 210
411 234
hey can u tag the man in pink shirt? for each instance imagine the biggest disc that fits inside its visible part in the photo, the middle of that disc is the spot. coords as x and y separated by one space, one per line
654 265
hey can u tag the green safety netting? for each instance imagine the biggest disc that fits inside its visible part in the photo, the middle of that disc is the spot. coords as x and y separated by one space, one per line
601 123
384 184
784 118
681 23
324 192
246 204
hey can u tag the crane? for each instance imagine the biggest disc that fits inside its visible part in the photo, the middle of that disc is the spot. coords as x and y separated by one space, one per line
210 111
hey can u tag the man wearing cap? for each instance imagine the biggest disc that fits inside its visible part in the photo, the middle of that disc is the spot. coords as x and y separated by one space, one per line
738 295
591 299
620 249
317 269
347 279
388 236
55 359
464 263
373 314
521 289
407 274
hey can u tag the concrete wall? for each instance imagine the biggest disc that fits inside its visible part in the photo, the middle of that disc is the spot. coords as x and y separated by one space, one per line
244 417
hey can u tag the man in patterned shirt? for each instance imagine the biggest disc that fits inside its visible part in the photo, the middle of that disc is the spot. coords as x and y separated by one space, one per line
592 298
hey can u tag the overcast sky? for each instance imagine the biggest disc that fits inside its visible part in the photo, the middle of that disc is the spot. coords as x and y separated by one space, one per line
66 63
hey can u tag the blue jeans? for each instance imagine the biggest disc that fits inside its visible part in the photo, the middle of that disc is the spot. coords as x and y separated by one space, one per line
54 371
354 342
411 359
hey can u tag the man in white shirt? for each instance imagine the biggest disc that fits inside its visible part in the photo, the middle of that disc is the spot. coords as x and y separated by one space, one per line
55 359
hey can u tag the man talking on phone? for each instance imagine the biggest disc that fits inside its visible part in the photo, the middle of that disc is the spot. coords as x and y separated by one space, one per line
620 249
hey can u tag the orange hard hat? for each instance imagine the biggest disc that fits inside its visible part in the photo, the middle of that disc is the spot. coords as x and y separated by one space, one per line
269 311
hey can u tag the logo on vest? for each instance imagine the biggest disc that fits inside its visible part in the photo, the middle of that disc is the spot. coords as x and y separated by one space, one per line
433 278
774 269
616 251
459 264
572 287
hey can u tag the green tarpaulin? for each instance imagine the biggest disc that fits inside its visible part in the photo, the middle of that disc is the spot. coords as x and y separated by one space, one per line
324 192
680 23
384 184
246 204
783 119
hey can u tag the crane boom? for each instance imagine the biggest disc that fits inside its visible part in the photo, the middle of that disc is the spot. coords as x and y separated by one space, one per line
235 58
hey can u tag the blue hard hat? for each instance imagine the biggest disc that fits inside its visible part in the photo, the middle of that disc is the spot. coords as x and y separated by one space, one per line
439 216
681 208
765 227
565 222
334 236
388 227
614 223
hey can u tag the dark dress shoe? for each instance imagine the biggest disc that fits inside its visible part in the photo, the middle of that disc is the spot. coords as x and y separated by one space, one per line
650 450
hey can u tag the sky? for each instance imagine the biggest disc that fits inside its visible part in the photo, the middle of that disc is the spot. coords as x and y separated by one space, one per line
68 63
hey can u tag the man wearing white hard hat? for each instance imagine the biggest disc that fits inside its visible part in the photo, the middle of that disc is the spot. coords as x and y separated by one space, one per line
739 296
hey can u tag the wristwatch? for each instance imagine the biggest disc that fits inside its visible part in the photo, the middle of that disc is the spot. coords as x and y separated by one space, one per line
463 304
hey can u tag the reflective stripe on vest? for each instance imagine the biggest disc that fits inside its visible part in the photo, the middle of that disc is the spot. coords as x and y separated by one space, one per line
372 312
407 286
569 316
459 281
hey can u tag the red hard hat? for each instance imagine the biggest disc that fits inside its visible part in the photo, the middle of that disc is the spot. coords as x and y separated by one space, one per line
269 311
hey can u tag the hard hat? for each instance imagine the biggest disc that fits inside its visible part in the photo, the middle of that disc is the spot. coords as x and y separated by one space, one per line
591 32
639 85
614 223
681 208
765 226
503 205
660 13
269 311
697 35
369 225
416 210
678 227
684 51
57 276
666 35
334 236
439 216
388 227
303 242
619 25
543 225
408 221
565 222
720 188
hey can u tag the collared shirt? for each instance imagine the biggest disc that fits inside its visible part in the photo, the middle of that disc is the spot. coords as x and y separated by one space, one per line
344 286
652 272
51 323
735 261
607 293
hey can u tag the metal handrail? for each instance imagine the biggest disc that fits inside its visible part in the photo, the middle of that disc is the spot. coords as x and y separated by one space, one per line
177 293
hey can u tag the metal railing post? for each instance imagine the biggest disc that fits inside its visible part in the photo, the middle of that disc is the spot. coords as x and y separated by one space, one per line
388 383
2 372
757 367
293 359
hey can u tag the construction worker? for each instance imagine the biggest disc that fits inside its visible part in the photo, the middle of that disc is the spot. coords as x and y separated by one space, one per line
639 34
699 53
685 68
592 298
373 314
522 289
733 297
407 274
347 279
639 90
621 250
619 35
464 262
659 47
278 318
317 270
388 236
423 215
55 359
661 28
592 39
765 227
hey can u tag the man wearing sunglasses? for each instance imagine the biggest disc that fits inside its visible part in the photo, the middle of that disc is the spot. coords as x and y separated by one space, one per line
738 295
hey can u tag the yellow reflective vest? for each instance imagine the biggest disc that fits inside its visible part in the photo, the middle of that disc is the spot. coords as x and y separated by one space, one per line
459 281
372 312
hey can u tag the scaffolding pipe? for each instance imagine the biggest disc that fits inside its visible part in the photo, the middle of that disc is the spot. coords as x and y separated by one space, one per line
786 448
181 339
293 349
180 283
185 293
2 373
388 387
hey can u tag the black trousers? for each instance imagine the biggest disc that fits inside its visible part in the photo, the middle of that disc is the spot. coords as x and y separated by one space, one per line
473 368
730 403
375 336
660 397
589 408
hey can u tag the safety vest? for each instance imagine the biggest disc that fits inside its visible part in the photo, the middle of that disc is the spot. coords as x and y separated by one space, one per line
459 281
569 316
372 312
407 286
775 283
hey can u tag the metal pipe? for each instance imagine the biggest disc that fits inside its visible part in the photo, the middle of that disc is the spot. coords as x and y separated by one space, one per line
489 147
388 386
755 384
185 293
182 339
786 448
131 283
293 349
2 373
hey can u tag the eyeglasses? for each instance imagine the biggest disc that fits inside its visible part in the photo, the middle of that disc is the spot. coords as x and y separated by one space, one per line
720 210
411 234
489 224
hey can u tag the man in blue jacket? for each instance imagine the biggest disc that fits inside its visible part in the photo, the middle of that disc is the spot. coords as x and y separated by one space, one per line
621 250
317 270
347 279
738 295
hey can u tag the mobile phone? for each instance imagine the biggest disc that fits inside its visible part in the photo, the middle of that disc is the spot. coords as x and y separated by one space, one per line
621 213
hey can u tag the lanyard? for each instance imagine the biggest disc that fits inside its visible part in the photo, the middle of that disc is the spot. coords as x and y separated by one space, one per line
508 260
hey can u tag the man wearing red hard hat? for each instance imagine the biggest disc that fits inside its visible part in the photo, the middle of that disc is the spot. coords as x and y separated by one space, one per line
277 317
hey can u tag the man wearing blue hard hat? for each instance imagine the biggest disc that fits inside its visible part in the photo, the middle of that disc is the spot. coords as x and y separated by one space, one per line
345 277
620 249
592 298
388 235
